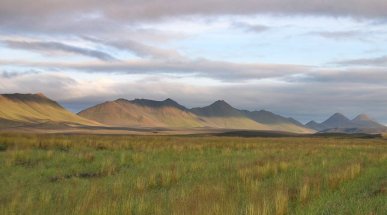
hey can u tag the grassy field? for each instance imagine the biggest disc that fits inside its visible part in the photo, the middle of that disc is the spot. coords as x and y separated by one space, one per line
86 174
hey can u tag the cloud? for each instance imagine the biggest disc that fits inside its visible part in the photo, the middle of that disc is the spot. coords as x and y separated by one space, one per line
255 28
67 14
50 47
340 35
11 74
218 70
29 82
377 61
365 76
149 30
139 49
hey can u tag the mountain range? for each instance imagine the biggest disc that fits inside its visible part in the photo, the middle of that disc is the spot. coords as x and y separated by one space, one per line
340 123
36 109
168 113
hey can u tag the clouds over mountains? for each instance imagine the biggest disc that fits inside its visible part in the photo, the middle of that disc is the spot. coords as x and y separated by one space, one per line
293 57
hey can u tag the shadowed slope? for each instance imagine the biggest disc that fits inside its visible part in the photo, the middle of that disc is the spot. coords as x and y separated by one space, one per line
277 122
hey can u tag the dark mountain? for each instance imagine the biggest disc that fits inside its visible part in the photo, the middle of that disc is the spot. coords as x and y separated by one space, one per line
263 118
268 117
157 104
219 108
338 120
276 121
222 115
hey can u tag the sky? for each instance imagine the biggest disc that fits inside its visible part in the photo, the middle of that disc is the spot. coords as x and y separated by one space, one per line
305 59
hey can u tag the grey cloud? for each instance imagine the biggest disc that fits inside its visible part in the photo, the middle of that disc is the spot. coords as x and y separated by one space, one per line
377 61
341 35
49 14
11 74
219 70
55 47
52 84
138 48
371 75
255 28
223 71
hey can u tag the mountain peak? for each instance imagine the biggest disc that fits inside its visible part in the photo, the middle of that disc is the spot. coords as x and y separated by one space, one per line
170 101
312 122
40 94
173 103
338 120
362 117
338 115
120 100
218 108
158 104
221 103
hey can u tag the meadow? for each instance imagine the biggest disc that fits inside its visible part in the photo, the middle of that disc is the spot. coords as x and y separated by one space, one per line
200 174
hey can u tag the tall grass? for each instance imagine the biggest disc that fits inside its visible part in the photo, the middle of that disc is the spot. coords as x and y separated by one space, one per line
98 174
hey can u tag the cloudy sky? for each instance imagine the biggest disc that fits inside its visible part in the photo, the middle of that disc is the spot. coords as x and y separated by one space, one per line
301 58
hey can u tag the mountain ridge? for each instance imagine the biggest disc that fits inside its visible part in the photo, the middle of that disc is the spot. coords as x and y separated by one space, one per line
141 113
340 123
219 114
27 109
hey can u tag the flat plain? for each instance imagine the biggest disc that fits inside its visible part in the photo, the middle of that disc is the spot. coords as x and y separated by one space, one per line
191 174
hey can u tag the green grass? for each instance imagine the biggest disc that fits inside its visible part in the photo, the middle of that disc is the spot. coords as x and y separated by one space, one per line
97 174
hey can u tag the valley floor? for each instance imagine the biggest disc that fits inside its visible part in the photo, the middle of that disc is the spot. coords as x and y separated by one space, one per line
197 174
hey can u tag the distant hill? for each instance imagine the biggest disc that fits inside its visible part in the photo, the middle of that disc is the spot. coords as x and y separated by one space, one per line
25 109
338 123
142 113
168 113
